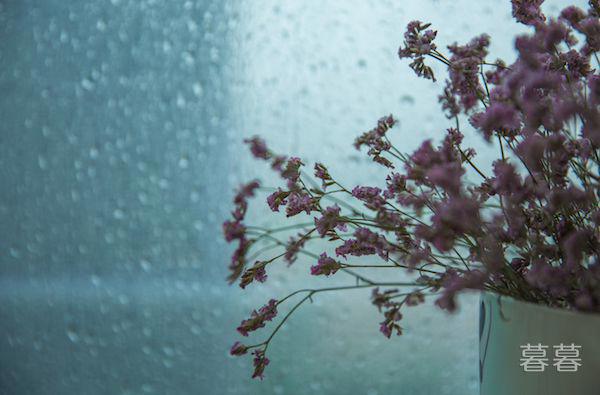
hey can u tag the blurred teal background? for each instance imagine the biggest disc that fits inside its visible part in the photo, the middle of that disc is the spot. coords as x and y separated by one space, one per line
120 144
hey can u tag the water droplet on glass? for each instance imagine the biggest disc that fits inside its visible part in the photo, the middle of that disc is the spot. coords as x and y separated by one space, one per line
73 335
145 265
87 84
15 253
118 214
197 89
169 351
183 163
407 99
101 25
42 162
95 280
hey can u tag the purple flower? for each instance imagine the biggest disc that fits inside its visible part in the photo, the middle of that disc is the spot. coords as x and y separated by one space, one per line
548 278
277 198
371 196
527 11
233 230
238 349
330 219
418 255
425 155
258 147
390 324
418 42
299 202
322 173
238 260
590 28
396 183
236 230
269 311
245 191
260 363
277 163
532 150
438 167
573 15
449 103
260 275
594 85
258 318
506 181
240 200
382 299
325 266
454 217
293 248
464 71
414 299
391 220
576 245
454 283
497 117
376 141
365 242
257 272
446 176
578 66
291 172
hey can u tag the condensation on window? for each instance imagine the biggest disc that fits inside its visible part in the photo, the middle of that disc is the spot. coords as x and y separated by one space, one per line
120 145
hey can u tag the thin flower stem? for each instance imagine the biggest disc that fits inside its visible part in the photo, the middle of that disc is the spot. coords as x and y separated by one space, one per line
288 315
372 266
311 292
513 149
400 155
257 253
282 228
465 156
336 200
406 294
439 56
496 65
406 214
358 277
485 84
417 268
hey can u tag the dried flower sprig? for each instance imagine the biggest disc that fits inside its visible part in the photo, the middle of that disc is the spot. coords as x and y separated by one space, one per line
529 227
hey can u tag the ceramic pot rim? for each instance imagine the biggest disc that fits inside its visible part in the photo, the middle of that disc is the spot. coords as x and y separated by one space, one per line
550 310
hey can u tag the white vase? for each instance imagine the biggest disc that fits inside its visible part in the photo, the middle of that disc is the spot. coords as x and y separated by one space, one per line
530 349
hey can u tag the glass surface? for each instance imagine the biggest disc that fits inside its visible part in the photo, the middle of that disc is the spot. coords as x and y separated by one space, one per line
120 145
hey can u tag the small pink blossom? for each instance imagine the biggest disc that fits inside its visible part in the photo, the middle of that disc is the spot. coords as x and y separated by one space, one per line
238 349
258 318
325 266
